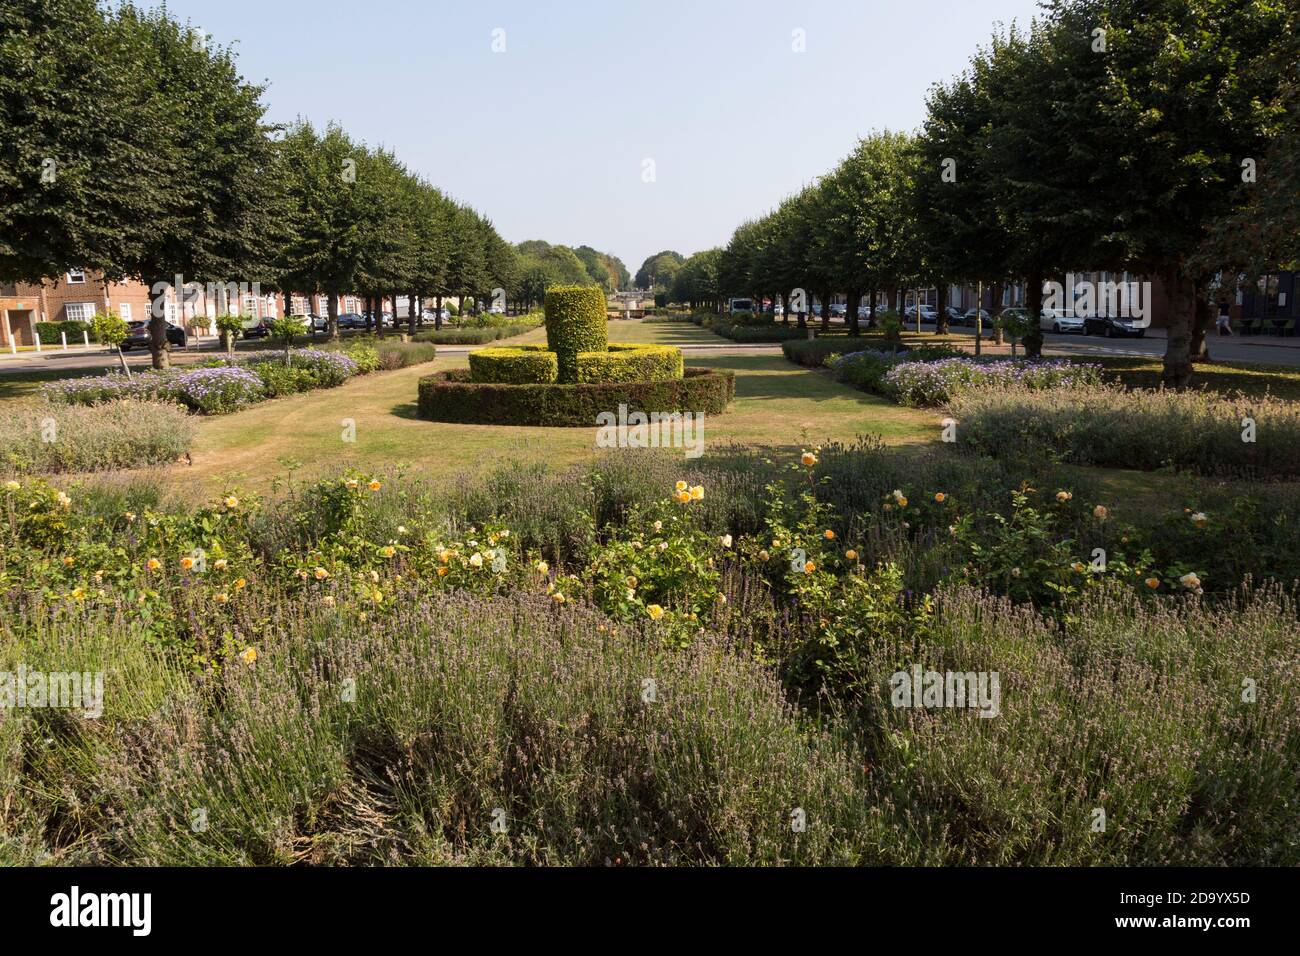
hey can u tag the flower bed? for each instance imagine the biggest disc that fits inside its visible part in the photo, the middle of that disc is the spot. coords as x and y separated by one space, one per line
122 433
222 385
1108 426
929 384
451 397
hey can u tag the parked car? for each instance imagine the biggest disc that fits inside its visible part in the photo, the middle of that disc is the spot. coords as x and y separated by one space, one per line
256 329
736 306
137 336
955 315
927 313
385 319
351 320
968 318
839 309
1052 320
1112 327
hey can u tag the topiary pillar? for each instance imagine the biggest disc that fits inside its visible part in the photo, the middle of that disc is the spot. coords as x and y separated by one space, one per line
575 322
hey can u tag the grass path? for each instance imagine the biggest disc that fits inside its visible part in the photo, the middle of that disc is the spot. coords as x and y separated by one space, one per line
778 405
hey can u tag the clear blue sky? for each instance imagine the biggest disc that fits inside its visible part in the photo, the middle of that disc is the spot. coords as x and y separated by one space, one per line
549 137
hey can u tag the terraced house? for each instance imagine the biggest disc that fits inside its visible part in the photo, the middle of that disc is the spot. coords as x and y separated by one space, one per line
78 294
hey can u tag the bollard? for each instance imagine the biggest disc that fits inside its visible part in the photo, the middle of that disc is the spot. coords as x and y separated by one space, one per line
85 338
63 336
38 341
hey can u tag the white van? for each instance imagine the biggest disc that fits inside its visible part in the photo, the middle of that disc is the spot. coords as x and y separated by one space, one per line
736 306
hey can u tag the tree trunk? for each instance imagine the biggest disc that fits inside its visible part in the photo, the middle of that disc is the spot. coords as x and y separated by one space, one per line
411 310
871 308
159 347
1202 317
940 308
332 310
437 316
851 312
826 311
995 306
1033 339
1178 358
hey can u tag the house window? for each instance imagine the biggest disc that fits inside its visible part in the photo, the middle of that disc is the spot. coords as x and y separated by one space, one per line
76 277
252 306
124 310
80 311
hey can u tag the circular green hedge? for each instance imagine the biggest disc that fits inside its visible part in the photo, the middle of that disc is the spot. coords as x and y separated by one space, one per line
575 322
631 363
451 396
513 365
536 364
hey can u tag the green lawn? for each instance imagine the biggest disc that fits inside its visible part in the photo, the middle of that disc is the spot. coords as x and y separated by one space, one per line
1280 381
777 405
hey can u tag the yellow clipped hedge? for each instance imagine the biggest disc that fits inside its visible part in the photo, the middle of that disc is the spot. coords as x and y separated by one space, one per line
514 365
630 363
575 323
537 365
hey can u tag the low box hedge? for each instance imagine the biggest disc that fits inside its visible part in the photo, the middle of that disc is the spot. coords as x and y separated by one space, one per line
51 333
518 365
451 396
631 363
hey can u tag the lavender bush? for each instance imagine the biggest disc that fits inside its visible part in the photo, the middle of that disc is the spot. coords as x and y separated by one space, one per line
214 387
118 433
1109 426
929 384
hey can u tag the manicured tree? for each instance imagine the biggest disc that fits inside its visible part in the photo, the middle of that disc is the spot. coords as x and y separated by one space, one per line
397 246
327 197
110 328
575 322
467 266
1262 233
221 217
80 185
284 330
230 325
1176 101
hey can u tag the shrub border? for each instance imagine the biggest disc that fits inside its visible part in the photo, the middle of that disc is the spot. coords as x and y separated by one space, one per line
450 396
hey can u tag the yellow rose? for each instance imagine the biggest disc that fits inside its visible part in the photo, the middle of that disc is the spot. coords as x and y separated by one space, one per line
655 612
697 493
248 655
1153 583
851 554
374 486
153 564
808 459
681 486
